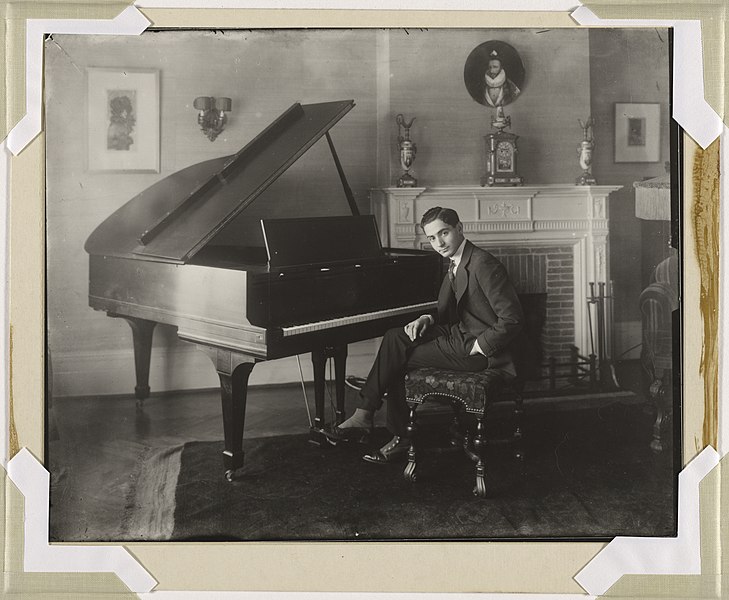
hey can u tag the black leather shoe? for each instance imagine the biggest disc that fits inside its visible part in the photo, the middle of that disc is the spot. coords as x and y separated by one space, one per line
396 448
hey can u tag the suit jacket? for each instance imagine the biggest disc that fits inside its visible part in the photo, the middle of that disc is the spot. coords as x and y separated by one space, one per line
484 307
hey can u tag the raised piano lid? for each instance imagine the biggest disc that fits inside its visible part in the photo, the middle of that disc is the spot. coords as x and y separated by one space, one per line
173 219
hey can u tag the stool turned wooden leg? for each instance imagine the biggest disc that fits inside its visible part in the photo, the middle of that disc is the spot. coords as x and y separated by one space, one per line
455 430
412 429
479 443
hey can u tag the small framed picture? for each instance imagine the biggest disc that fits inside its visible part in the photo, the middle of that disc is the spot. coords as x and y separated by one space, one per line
637 132
123 120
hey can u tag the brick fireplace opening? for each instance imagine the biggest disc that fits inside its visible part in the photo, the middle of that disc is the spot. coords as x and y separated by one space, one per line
547 271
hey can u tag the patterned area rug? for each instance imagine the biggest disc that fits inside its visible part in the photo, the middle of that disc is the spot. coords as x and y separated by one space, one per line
588 474
149 513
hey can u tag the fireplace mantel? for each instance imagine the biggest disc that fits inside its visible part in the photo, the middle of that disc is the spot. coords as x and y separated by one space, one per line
524 216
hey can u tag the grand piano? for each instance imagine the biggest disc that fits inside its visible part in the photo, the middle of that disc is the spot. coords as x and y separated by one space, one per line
315 285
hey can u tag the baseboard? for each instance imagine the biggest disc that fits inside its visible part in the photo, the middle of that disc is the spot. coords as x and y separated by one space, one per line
179 368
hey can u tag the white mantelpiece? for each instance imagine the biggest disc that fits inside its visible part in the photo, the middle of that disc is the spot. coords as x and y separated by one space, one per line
537 215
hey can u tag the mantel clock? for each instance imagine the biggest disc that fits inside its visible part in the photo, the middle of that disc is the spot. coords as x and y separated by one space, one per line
501 160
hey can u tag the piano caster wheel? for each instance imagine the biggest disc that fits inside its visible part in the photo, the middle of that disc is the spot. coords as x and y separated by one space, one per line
409 473
229 475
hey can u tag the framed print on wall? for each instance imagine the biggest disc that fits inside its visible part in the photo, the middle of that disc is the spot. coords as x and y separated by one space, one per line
123 127
637 132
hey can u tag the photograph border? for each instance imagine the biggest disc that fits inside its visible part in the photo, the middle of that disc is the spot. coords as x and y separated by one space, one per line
26 412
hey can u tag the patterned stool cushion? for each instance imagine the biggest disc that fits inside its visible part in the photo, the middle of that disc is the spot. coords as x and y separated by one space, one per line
473 390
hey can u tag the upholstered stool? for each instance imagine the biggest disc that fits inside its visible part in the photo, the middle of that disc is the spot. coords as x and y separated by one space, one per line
472 392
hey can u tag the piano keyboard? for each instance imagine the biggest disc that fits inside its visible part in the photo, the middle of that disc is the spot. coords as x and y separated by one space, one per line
352 319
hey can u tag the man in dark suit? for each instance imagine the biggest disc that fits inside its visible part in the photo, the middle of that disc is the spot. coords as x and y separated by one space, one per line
478 315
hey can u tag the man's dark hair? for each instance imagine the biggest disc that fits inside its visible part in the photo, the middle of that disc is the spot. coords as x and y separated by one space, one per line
447 215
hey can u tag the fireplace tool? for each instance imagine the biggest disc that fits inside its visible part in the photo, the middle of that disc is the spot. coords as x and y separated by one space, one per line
606 370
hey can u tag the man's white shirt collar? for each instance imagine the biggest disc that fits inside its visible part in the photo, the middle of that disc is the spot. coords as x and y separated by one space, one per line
456 258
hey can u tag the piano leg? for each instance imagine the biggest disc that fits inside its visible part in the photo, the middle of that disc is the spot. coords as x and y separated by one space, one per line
233 393
233 371
340 372
319 361
142 331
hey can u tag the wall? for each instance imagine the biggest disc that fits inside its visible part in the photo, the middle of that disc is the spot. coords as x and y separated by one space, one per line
633 67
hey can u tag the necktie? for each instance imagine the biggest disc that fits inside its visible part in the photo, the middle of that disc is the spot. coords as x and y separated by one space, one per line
452 272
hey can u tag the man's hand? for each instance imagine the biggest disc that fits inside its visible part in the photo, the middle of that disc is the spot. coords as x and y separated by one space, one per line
416 328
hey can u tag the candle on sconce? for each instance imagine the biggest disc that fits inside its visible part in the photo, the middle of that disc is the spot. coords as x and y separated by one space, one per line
202 103
224 104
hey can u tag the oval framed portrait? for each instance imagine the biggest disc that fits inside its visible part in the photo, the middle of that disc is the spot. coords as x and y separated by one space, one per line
494 74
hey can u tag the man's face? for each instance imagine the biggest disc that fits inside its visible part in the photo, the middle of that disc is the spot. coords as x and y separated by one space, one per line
494 68
444 238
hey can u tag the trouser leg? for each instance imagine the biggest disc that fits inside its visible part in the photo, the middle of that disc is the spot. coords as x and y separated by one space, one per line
388 366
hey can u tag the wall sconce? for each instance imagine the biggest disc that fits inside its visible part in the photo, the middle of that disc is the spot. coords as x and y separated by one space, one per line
212 117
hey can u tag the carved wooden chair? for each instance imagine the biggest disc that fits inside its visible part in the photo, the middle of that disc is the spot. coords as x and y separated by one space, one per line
657 303
475 392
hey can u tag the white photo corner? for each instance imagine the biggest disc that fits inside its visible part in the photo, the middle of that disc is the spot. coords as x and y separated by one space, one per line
123 125
637 132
